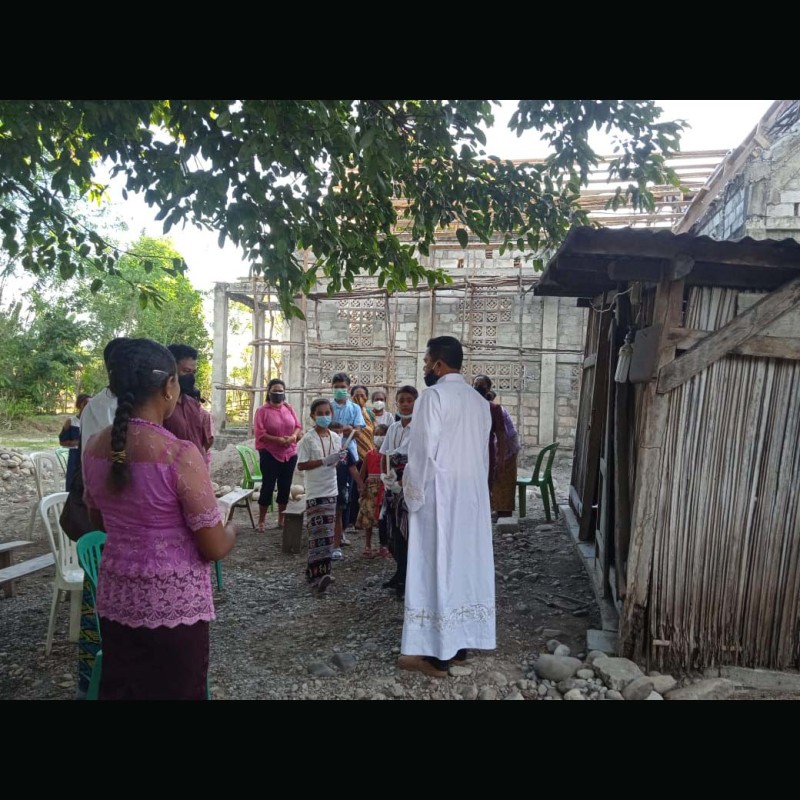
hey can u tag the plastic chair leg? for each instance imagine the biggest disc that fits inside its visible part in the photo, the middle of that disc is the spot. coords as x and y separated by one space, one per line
218 569
51 626
523 510
32 522
94 683
75 599
553 495
545 502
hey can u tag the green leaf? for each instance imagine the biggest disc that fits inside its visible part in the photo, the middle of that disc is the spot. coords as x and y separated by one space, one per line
463 237
142 300
97 284
148 266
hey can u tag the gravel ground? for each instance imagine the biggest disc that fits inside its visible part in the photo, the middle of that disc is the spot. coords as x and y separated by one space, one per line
273 640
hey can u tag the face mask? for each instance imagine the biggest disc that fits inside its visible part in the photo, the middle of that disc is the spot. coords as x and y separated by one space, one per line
277 397
379 405
323 422
186 383
340 394
431 378
405 416
378 440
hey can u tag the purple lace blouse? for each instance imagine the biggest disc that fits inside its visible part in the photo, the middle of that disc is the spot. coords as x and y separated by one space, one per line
152 574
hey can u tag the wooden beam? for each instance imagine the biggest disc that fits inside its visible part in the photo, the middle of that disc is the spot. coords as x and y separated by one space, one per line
649 478
596 419
764 346
722 341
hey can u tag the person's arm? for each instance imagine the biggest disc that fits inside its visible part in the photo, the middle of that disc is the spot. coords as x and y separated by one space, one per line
353 470
195 494
363 471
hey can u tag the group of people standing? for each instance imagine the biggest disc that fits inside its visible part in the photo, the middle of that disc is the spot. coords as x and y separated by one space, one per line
429 476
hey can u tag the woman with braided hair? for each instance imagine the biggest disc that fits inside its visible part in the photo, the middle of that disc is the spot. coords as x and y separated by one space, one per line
152 494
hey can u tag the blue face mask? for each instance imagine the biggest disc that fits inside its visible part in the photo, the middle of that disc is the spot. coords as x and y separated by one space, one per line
323 422
340 394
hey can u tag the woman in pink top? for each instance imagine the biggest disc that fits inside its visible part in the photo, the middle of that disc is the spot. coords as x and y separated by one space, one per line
277 431
152 494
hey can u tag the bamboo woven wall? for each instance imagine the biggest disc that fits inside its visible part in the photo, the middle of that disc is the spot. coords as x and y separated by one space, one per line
725 585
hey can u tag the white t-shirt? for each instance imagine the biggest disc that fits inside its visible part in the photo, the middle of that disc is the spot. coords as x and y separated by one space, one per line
320 482
97 414
397 439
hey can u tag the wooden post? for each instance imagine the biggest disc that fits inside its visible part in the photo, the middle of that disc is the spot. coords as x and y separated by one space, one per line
599 398
667 314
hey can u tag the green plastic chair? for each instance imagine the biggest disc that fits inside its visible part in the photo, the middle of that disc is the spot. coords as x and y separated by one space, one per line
252 470
62 453
90 548
543 480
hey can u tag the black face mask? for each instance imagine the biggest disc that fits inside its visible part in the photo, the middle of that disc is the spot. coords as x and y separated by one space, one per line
431 378
277 398
187 384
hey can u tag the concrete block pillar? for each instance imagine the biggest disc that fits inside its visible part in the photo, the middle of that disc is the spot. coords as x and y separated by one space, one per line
547 382
219 359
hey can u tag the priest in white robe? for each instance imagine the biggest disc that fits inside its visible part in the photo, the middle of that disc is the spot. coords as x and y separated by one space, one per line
450 593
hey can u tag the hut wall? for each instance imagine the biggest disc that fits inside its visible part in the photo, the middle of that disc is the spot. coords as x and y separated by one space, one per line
725 585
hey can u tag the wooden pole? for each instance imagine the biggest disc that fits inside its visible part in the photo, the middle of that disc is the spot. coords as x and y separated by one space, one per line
667 314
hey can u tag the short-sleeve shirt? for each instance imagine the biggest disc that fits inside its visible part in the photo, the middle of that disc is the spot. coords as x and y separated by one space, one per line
320 482
397 439
191 422
349 414
276 421
152 573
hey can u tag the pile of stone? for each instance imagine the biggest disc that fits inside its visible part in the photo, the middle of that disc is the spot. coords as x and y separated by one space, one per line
15 467
597 676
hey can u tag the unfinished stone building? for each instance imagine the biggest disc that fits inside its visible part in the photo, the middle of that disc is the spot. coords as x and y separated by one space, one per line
531 347
755 191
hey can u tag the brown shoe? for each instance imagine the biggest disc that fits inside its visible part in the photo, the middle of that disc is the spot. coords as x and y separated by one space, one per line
420 664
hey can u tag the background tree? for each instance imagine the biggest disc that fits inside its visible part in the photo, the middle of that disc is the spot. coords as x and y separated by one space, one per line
280 176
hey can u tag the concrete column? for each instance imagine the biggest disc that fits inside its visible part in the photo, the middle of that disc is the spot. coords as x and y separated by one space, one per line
219 359
423 333
547 382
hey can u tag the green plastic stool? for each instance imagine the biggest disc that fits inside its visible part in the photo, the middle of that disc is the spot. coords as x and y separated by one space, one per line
543 481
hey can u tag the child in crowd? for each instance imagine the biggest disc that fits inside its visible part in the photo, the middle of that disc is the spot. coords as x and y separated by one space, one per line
318 453
371 480
395 452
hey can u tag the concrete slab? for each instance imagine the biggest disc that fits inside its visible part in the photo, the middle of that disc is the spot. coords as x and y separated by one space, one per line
765 679
507 525
607 641
608 611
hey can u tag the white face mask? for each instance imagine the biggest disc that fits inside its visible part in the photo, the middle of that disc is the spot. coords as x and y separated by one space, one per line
378 440
379 405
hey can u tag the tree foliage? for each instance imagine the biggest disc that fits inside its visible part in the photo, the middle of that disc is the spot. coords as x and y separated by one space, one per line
280 176
51 345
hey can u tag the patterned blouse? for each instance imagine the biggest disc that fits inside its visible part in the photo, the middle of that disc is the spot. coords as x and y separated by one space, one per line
152 574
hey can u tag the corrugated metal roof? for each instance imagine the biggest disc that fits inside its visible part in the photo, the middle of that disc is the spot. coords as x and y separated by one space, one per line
592 260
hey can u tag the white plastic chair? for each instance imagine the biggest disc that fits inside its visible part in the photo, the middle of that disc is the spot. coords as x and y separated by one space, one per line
69 575
39 460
